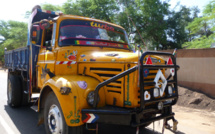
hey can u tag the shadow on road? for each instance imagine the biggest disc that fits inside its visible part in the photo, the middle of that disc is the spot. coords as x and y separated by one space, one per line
25 119
116 129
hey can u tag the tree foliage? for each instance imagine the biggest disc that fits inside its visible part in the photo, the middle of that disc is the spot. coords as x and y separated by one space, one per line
51 7
147 17
202 29
13 35
101 9
177 22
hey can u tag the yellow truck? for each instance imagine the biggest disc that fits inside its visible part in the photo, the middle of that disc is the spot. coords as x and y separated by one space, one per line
86 73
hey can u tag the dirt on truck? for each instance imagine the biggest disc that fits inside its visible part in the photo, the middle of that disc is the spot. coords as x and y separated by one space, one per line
86 73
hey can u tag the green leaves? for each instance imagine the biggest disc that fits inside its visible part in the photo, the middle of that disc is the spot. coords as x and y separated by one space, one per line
100 9
202 29
51 7
202 42
14 35
177 21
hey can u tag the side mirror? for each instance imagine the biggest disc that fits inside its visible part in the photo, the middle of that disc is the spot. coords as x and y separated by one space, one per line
35 34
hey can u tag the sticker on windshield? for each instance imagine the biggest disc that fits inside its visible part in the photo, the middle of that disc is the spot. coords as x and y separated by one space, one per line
99 43
103 26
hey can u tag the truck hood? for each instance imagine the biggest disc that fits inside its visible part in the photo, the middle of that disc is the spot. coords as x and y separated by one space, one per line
113 56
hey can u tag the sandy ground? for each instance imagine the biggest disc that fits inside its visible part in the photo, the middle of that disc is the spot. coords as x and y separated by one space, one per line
192 99
201 120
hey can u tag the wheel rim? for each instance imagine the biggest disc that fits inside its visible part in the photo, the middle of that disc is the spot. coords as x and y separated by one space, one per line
55 121
9 91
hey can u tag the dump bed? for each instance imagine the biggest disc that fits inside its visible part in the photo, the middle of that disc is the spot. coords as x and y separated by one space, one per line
17 59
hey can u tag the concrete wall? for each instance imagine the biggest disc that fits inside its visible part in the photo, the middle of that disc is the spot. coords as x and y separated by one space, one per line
197 69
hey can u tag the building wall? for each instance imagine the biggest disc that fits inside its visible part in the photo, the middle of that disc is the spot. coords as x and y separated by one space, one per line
197 69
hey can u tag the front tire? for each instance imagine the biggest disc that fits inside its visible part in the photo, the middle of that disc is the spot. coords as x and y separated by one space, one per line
54 119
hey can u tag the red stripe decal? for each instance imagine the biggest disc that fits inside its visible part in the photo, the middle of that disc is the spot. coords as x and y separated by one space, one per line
61 62
69 62
88 117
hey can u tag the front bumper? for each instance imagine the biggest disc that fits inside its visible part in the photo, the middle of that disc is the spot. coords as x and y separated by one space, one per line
124 116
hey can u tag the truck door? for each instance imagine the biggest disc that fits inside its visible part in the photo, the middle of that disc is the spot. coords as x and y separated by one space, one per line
46 59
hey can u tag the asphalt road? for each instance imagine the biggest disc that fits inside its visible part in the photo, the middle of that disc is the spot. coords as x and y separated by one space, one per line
24 120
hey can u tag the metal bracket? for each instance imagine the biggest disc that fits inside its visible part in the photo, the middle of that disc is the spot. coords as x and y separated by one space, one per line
91 129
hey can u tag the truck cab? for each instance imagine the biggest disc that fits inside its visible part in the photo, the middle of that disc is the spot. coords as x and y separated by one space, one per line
86 73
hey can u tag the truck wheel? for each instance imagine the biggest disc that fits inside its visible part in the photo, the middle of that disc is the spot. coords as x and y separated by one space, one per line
54 119
14 91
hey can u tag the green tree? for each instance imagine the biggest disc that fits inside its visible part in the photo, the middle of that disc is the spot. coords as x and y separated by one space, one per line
202 29
51 7
14 35
100 9
149 18
71 7
177 22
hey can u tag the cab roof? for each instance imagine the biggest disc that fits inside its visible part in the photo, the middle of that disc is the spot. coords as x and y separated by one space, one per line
87 19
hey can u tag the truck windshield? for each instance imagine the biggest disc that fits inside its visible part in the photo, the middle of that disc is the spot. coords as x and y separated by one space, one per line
79 32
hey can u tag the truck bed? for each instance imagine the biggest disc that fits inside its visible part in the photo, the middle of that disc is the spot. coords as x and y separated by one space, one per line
17 59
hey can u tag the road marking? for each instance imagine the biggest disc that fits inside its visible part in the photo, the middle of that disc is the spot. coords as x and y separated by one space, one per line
6 126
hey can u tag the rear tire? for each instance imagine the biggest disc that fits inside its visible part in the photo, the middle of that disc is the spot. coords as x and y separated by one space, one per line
14 91
54 119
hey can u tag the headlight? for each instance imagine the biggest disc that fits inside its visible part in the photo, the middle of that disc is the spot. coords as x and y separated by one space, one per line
90 98
170 90
156 92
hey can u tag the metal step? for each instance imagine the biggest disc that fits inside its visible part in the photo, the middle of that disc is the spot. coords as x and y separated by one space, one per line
35 108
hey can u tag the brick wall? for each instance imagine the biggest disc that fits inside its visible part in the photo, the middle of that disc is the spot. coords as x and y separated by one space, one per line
197 69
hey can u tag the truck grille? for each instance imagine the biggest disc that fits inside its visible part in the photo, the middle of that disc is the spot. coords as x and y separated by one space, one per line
122 92
107 73
149 78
